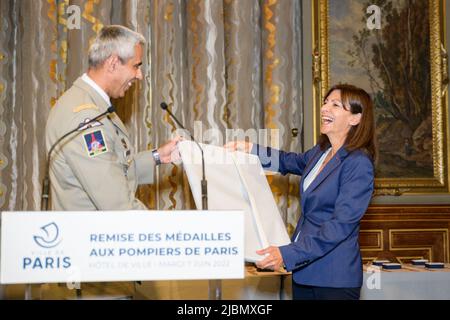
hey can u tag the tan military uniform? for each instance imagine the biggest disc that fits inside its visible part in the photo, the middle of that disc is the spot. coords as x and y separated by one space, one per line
93 169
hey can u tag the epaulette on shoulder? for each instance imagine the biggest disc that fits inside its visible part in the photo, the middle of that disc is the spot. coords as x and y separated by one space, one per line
85 107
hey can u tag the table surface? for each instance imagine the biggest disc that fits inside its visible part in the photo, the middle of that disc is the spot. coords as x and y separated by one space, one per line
410 282
407 267
252 271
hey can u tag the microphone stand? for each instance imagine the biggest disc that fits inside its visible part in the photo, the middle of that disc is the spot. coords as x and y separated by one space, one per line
46 181
215 286
204 183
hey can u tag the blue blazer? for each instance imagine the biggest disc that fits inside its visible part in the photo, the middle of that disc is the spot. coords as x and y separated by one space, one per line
326 253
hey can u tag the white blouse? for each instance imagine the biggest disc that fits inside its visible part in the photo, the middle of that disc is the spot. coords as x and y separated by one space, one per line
311 176
315 171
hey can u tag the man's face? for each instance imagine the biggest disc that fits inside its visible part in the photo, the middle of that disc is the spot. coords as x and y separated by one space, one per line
126 74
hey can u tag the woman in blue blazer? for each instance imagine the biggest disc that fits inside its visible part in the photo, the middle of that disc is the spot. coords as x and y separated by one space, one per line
336 187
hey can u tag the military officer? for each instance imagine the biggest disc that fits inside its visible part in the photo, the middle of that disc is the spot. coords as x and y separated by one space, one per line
96 168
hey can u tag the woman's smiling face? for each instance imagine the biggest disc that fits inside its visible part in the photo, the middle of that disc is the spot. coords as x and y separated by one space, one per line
336 119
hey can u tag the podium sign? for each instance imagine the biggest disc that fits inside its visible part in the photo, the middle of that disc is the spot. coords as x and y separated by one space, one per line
46 247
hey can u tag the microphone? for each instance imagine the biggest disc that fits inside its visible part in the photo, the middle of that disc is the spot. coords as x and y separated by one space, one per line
46 182
204 183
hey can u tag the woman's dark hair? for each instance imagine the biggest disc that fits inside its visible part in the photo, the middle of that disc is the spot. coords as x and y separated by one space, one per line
362 135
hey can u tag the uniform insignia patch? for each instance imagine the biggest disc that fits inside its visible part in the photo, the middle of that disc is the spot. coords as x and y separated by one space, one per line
95 143
84 107
83 126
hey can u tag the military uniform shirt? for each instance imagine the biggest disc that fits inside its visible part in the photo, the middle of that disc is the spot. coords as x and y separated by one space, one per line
95 168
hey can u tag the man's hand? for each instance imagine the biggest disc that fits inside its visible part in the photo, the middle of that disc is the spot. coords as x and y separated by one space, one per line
273 261
168 152
243 146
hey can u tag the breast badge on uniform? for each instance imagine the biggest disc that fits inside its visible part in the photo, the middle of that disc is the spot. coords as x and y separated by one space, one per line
84 125
95 143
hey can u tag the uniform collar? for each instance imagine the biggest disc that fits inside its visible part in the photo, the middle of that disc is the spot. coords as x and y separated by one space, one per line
93 94
100 102
96 87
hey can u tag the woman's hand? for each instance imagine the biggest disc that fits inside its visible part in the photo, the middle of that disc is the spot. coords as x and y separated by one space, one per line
273 261
243 146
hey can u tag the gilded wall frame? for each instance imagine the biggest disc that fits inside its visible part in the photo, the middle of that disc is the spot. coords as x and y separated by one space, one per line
413 149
